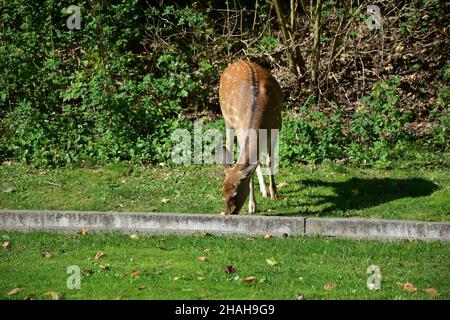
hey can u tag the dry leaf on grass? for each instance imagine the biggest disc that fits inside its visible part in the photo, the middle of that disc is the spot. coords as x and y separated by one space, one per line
249 279
267 236
15 291
99 255
230 269
88 271
407 286
104 266
6 244
31 296
431 291
202 258
54 295
299 296
271 262
46 254
165 200
83 231
135 274
329 286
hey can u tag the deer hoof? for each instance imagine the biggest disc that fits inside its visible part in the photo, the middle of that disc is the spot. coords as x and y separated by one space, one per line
251 207
274 195
265 192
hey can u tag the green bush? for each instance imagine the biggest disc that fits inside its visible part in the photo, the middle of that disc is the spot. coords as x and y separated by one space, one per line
117 88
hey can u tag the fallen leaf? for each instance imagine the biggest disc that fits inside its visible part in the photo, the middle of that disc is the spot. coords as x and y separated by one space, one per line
407 286
46 254
282 185
104 266
389 67
267 236
230 269
135 274
10 190
202 258
88 271
399 48
54 295
431 291
201 278
329 286
272 262
15 291
165 200
83 231
99 255
31 296
299 296
6 244
141 288
249 279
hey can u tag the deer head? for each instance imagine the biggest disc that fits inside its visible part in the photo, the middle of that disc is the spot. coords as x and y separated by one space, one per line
236 186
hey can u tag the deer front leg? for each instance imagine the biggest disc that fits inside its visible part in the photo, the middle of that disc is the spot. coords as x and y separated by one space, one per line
251 199
229 143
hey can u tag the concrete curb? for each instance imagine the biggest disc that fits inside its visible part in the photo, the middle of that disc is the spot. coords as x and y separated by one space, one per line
130 222
133 222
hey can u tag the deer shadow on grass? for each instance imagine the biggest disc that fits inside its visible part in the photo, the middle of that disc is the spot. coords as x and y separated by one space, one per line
357 193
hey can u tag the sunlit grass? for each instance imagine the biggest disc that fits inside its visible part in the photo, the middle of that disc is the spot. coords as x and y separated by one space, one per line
334 191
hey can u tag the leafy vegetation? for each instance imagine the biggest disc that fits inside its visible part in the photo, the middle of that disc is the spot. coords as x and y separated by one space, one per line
117 88
312 191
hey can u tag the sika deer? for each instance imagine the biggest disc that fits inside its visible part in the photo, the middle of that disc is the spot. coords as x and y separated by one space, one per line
250 98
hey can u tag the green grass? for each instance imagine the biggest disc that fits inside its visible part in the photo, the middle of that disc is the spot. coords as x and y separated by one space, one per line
168 267
334 191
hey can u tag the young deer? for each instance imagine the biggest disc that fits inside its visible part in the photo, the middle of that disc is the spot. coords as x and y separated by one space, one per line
250 98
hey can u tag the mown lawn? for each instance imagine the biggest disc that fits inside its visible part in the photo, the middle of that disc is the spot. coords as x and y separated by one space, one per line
169 267
334 190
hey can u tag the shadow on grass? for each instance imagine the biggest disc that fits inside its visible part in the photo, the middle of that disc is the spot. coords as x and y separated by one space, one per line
357 194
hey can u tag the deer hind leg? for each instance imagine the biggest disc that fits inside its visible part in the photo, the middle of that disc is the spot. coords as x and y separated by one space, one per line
270 163
262 184
251 199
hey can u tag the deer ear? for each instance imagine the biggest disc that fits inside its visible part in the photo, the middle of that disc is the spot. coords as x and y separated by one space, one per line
249 170
225 158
